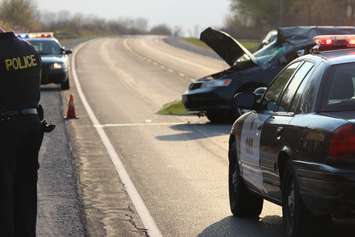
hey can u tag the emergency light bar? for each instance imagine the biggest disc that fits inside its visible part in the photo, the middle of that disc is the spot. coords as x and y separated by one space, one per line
36 35
335 41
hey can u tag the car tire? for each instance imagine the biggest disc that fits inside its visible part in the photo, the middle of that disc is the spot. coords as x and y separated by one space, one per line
298 219
65 85
243 202
220 117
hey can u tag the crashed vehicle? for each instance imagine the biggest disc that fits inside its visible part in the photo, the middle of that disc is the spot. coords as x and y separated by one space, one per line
213 95
269 38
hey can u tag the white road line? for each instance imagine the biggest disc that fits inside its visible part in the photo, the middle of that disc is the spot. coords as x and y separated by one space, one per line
137 200
138 125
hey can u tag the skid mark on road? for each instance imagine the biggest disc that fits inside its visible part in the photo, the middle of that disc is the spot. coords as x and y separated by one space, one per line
137 200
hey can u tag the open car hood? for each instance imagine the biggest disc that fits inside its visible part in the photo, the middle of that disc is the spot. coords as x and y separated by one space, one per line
228 48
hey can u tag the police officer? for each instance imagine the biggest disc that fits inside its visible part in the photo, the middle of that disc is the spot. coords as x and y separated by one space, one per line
21 136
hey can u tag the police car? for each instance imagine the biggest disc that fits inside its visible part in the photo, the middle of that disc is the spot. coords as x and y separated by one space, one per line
55 60
296 145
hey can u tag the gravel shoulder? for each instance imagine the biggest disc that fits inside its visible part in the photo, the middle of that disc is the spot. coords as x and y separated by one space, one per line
59 211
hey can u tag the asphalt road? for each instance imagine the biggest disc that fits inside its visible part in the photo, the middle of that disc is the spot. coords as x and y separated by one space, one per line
178 164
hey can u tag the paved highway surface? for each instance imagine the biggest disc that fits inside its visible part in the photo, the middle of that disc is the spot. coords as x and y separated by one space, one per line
178 164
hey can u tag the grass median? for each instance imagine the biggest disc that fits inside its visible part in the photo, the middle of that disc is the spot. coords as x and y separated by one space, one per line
250 44
174 108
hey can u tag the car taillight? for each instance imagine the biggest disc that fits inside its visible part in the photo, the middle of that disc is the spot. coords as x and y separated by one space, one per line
342 142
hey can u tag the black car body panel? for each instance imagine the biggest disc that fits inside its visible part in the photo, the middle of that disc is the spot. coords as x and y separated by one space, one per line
249 72
199 98
326 189
229 49
268 137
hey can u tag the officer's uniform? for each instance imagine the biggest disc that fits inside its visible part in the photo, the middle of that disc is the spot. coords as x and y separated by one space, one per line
20 136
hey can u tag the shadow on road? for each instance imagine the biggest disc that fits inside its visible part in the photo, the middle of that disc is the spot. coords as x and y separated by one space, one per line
269 226
195 132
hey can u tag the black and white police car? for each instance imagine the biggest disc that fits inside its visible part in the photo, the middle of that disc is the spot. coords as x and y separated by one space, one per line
296 145
55 60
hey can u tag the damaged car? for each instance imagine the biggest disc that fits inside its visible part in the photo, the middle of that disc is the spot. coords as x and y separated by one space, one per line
213 95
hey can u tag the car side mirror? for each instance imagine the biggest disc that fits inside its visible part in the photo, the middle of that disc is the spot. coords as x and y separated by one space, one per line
245 100
260 92
68 51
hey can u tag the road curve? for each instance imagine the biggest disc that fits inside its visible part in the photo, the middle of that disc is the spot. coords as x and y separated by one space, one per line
178 164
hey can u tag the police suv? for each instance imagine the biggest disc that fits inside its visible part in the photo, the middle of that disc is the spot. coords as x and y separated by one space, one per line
296 145
55 60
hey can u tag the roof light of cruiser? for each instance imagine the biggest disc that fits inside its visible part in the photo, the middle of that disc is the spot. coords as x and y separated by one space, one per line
41 35
346 41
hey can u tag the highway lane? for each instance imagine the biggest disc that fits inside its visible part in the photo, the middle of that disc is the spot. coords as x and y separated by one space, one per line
178 164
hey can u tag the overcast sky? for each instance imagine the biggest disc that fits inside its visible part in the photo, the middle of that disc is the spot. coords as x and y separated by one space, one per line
186 13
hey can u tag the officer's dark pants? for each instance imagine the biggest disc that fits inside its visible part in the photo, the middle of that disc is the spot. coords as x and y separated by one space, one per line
20 141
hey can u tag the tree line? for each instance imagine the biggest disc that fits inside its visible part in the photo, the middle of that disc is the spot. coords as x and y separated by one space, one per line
24 16
253 18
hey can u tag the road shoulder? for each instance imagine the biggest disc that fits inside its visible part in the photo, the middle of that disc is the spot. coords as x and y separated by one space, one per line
59 208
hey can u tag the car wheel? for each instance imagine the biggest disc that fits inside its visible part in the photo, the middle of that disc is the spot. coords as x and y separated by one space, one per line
220 117
65 85
297 218
243 202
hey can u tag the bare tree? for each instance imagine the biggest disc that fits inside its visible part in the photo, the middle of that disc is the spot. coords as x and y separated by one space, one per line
21 14
161 30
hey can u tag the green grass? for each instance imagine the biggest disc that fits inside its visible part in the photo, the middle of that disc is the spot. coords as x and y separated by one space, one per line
173 108
195 42
251 45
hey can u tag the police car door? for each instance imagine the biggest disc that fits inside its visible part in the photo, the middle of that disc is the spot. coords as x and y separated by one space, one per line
253 128
276 129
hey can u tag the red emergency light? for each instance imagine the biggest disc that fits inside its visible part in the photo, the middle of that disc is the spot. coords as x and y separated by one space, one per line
41 35
335 41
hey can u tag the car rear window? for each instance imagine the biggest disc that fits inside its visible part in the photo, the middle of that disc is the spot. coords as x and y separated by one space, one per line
340 88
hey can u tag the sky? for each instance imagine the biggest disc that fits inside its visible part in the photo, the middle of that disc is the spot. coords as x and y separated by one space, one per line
185 13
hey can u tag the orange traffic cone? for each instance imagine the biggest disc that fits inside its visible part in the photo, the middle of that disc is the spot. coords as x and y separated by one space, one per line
71 109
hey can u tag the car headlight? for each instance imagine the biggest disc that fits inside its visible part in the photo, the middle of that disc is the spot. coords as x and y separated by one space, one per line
56 66
216 83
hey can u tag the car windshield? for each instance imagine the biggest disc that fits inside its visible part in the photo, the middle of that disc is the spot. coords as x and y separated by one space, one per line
340 89
47 47
265 54
269 52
